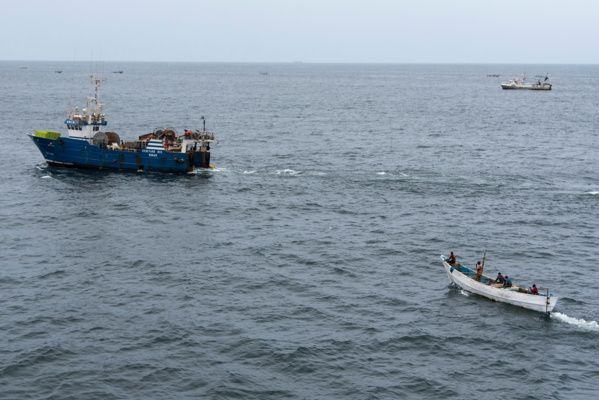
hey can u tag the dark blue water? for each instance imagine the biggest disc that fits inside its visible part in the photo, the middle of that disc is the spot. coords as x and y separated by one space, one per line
306 265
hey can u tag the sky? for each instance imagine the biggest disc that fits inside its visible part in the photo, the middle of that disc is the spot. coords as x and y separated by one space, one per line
312 31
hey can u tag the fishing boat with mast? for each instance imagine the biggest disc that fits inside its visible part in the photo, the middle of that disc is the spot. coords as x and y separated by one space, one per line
87 144
465 278
519 83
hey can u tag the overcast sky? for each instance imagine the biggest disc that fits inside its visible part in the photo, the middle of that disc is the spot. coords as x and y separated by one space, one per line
327 31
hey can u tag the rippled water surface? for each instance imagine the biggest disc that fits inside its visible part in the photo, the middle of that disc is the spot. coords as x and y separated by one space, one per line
306 265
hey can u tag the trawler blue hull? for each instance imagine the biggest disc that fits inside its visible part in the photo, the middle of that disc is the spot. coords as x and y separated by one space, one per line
77 153
87 145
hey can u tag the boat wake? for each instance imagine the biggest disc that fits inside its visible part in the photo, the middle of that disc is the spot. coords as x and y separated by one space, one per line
202 171
465 293
581 323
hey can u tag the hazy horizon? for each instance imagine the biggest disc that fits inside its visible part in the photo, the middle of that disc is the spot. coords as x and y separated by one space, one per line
327 32
288 62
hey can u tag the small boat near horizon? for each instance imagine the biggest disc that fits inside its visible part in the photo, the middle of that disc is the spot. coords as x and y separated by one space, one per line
464 278
519 83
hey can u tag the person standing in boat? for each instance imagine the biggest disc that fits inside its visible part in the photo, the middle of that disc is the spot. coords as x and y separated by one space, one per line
451 259
479 271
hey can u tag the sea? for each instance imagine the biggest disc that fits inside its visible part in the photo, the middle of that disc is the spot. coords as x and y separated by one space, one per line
306 264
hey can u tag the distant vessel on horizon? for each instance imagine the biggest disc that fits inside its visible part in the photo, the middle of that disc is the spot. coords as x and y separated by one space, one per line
516 83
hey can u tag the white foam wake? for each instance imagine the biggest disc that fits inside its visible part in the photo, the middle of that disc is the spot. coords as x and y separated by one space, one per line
592 193
200 171
590 325
286 172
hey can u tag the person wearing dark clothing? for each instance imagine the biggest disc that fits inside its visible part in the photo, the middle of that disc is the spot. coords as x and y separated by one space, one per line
508 282
500 278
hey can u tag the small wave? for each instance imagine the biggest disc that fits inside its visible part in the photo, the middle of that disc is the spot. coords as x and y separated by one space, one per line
52 274
202 171
590 325
46 177
249 172
286 172
592 193
317 173
381 173
465 293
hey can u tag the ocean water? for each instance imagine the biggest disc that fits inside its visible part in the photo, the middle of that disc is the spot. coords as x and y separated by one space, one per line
306 265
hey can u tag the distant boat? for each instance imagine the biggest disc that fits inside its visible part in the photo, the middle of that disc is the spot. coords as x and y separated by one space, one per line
58 71
263 73
464 278
492 76
518 83
117 72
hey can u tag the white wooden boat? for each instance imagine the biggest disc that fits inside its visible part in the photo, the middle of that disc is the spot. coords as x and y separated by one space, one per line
464 278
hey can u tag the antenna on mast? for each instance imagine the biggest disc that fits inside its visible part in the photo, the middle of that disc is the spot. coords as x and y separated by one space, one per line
70 109
96 100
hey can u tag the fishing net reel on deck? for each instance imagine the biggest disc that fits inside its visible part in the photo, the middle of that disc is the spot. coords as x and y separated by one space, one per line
106 139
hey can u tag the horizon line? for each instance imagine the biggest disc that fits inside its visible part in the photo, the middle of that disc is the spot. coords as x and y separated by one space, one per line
307 62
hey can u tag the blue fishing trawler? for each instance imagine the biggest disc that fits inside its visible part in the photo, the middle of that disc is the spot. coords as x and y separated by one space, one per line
88 144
